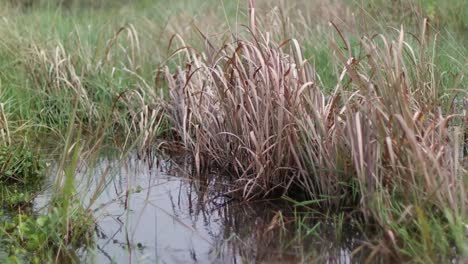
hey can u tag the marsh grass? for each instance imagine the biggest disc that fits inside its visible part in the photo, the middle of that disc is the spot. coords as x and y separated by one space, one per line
387 139
354 115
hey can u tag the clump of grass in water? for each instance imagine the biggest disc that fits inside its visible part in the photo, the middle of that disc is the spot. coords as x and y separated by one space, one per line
236 108
21 175
66 227
21 167
386 129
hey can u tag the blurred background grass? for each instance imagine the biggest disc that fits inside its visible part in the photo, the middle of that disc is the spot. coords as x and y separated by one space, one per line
84 27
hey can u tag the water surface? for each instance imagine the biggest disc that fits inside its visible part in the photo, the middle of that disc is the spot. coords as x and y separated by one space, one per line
153 212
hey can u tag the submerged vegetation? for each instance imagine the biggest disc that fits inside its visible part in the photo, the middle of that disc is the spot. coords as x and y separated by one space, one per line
336 108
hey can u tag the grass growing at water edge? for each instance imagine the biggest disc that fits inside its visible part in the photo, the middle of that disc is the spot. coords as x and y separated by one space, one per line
360 115
254 108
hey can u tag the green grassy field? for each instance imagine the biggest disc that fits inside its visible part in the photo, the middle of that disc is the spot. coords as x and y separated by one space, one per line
344 104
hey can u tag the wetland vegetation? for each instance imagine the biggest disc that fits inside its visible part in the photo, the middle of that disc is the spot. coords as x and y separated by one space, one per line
267 131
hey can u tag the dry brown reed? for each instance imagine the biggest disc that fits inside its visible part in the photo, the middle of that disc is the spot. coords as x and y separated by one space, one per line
254 108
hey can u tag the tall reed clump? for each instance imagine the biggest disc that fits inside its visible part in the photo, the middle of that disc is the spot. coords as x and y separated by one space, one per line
236 108
391 123
401 136
388 138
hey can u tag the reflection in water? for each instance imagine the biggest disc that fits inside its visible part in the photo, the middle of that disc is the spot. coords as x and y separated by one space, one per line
154 214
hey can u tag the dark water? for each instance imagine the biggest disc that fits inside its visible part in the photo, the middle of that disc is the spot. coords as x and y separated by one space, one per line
153 213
